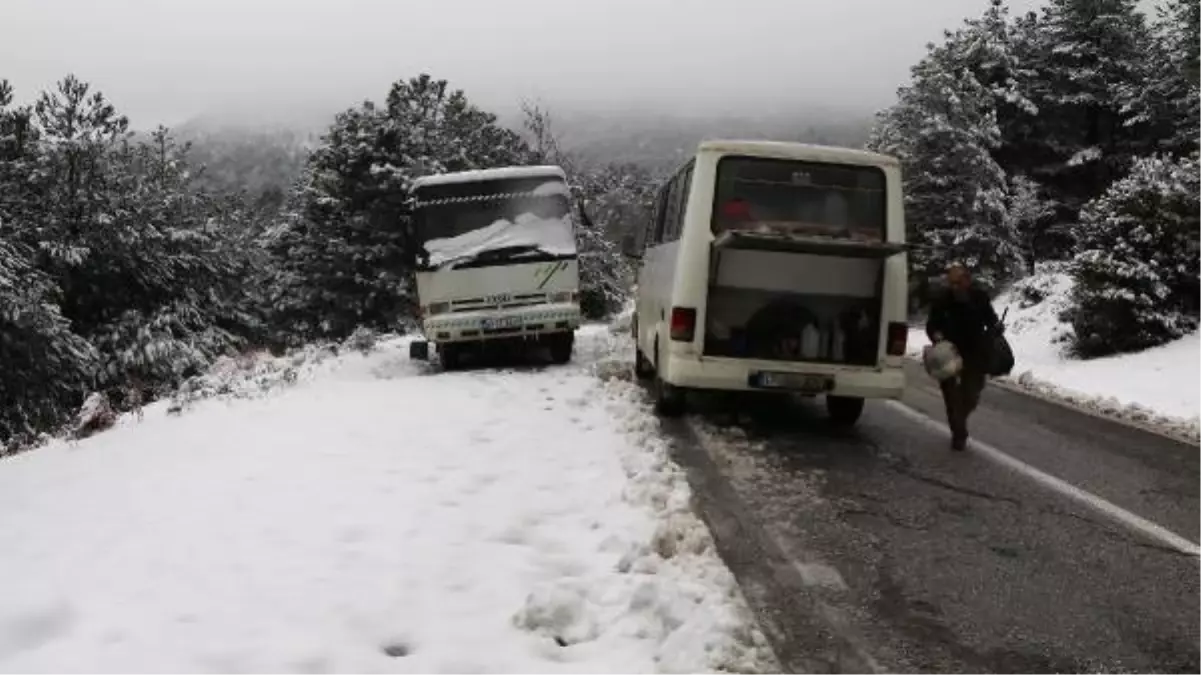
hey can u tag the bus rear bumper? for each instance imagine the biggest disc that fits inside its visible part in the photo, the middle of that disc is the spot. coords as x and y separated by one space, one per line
886 381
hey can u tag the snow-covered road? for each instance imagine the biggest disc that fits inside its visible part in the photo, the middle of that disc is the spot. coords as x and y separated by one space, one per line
375 516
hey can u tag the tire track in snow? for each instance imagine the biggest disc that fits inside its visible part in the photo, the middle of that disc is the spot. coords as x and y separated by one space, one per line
807 634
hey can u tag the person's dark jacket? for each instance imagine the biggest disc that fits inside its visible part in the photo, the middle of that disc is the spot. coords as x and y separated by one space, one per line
969 324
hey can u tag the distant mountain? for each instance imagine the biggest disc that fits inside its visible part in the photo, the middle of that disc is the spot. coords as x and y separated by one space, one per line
267 156
662 141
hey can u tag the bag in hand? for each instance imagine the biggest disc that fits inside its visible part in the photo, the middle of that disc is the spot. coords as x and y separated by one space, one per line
942 361
1000 357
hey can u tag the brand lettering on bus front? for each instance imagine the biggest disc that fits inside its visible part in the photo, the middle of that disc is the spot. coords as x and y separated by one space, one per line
544 273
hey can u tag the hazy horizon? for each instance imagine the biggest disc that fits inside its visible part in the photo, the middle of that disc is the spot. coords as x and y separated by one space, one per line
274 61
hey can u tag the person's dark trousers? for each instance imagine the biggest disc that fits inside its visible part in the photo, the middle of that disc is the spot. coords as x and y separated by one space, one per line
961 395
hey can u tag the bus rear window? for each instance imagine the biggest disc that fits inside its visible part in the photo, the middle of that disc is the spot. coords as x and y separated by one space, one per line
799 198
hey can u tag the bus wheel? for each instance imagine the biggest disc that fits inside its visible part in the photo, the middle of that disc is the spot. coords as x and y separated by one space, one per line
560 346
844 410
642 368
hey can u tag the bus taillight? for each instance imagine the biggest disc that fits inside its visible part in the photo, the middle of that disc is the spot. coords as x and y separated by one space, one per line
683 324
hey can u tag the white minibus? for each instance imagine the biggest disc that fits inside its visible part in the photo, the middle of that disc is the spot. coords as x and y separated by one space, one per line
774 267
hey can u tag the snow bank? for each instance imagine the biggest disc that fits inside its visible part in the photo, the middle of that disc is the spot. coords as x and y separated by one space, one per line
552 235
368 514
1157 387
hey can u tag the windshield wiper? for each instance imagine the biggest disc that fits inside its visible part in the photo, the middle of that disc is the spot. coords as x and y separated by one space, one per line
494 256
502 252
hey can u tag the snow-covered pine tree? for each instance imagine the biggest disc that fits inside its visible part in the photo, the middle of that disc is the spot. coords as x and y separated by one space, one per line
1030 216
45 364
1088 54
1165 104
989 48
1136 276
78 131
160 300
942 129
344 256
343 253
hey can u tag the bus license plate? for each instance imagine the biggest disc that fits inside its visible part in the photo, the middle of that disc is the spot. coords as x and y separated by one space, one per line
502 322
809 384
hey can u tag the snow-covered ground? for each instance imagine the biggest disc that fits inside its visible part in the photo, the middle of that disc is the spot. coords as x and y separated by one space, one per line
360 512
1157 387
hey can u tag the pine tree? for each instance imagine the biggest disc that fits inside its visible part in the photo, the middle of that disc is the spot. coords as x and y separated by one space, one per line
1165 104
1030 216
163 303
942 129
78 130
1136 276
45 364
1088 54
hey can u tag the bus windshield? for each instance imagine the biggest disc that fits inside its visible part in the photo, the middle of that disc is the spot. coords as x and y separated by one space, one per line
469 229
799 198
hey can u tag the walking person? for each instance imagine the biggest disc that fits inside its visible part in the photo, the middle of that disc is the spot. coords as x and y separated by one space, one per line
964 316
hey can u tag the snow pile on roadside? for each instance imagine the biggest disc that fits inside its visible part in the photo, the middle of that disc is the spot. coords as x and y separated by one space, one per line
681 549
258 373
374 516
1156 387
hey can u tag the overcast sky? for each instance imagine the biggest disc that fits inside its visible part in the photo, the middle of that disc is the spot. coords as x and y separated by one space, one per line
169 60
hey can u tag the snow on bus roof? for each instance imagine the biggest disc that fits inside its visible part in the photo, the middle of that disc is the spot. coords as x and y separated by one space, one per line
502 173
800 151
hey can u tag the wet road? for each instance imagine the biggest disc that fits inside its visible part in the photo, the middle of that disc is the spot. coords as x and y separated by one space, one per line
879 549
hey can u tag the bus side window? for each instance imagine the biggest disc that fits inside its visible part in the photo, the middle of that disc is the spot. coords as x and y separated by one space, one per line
672 216
655 231
684 184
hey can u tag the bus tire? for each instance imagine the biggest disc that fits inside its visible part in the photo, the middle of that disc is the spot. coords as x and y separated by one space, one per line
844 410
561 345
642 367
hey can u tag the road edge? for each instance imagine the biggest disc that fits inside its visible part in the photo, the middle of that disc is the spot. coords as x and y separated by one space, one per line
826 644
1010 385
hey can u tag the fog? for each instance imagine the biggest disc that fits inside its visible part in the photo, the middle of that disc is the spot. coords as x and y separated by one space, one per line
293 60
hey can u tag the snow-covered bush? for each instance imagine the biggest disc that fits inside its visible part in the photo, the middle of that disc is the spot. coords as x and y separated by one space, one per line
1038 287
96 415
603 271
1120 306
362 340
1136 275
252 375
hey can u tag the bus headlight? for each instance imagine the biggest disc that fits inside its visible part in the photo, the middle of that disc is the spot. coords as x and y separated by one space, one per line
437 308
563 296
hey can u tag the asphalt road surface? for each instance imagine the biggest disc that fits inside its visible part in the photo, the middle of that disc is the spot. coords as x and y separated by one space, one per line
880 550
